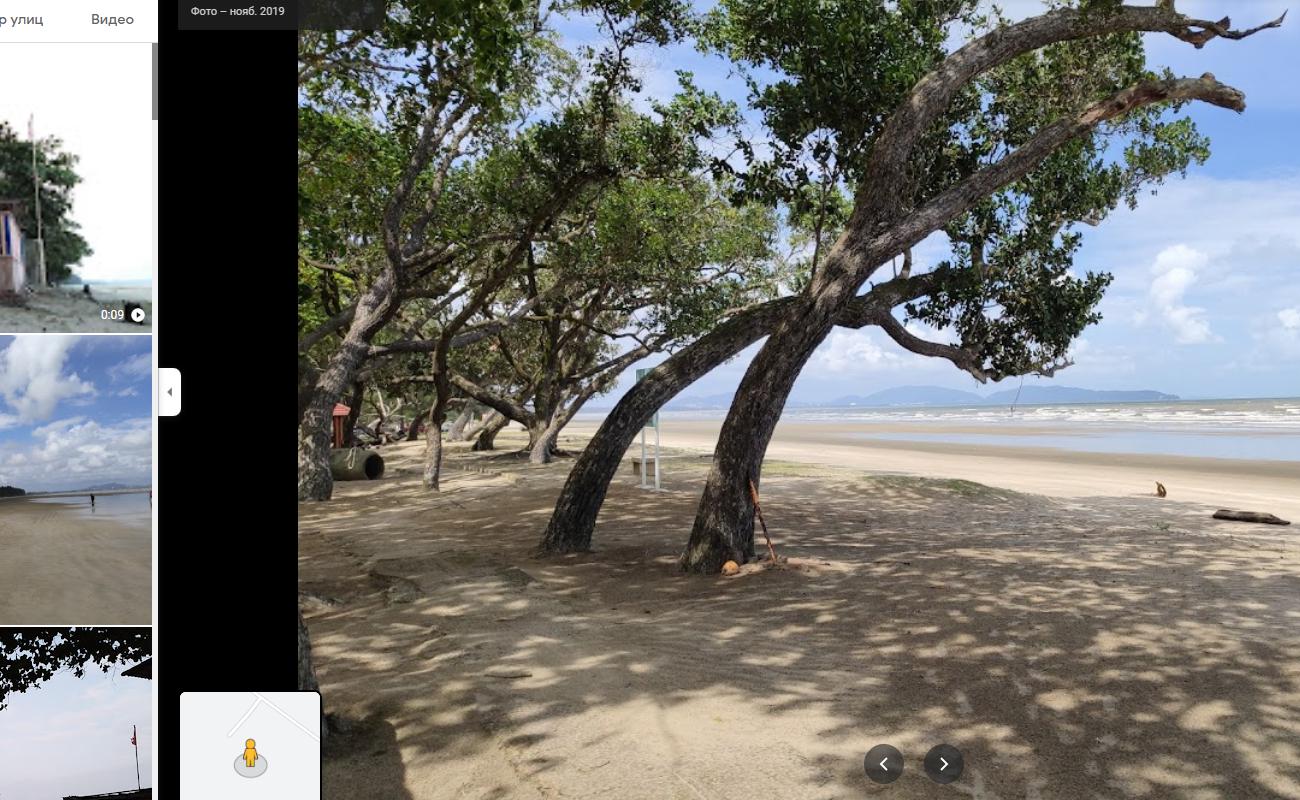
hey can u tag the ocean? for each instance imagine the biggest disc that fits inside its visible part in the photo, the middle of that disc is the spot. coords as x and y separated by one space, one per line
1257 429
135 291
133 510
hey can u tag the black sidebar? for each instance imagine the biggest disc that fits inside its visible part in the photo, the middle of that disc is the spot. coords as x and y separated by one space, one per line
226 562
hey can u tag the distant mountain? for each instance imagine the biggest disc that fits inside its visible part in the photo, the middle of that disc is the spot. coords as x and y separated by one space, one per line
912 396
698 402
104 487
1050 395
940 396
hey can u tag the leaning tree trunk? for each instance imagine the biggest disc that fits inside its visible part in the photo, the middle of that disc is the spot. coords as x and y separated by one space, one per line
563 416
354 413
433 440
307 672
307 377
487 432
580 500
724 523
374 309
542 437
457 432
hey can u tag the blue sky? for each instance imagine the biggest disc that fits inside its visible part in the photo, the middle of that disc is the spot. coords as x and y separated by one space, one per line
75 411
1206 301
72 736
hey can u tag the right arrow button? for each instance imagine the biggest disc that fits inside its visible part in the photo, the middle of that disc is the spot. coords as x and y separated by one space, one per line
944 763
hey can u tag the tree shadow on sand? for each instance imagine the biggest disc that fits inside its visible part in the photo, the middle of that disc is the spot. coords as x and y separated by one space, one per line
1095 647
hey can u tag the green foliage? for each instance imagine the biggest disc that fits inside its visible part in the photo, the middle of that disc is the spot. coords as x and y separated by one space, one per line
837 69
824 77
624 234
1009 292
31 656
64 245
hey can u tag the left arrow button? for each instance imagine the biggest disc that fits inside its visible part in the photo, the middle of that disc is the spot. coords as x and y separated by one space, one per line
883 763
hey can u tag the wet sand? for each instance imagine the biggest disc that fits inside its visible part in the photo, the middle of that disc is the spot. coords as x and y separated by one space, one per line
59 567
1101 643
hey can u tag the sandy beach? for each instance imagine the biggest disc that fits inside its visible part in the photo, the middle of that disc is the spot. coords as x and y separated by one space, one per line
64 311
1222 482
60 566
1073 635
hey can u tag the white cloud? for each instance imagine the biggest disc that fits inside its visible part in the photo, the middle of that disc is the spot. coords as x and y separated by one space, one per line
852 352
77 452
32 381
1176 271
133 368
1280 337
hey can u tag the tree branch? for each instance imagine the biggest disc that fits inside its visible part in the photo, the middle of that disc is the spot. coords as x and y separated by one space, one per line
932 94
504 405
964 359
960 198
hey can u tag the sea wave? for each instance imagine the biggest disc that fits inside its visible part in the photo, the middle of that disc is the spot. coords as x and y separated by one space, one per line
1229 414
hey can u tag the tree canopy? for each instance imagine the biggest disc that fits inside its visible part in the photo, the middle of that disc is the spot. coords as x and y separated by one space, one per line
30 657
64 245
490 218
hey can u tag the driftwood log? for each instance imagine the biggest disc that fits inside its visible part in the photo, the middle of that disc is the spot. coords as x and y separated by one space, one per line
1250 516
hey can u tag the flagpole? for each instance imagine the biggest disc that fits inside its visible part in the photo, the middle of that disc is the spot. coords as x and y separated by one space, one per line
36 190
137 758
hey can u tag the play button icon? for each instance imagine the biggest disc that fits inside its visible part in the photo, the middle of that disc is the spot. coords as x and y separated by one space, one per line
883 763
944 763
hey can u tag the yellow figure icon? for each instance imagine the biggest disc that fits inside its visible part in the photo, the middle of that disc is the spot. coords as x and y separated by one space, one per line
250 753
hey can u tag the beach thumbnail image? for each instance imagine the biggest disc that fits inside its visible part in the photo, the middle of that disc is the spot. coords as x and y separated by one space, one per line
76 496
76 713
76 189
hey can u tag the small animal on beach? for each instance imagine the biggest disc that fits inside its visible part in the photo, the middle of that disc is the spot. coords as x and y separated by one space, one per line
730 568
1160 489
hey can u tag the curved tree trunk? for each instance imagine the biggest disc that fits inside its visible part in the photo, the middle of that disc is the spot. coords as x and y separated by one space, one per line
457 432
306 670
724 524
433 436
564 415
583 494
541 442
354 412
487 432
374 309
307 377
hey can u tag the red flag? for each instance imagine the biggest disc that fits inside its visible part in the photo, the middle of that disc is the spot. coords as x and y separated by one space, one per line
132 734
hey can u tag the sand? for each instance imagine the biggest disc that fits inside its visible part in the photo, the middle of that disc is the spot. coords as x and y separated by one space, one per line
1100 643
59 568
1272 486
62 311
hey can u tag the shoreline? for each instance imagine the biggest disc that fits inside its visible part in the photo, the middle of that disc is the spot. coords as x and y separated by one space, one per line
97 493
1257 485
60 567
61 311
